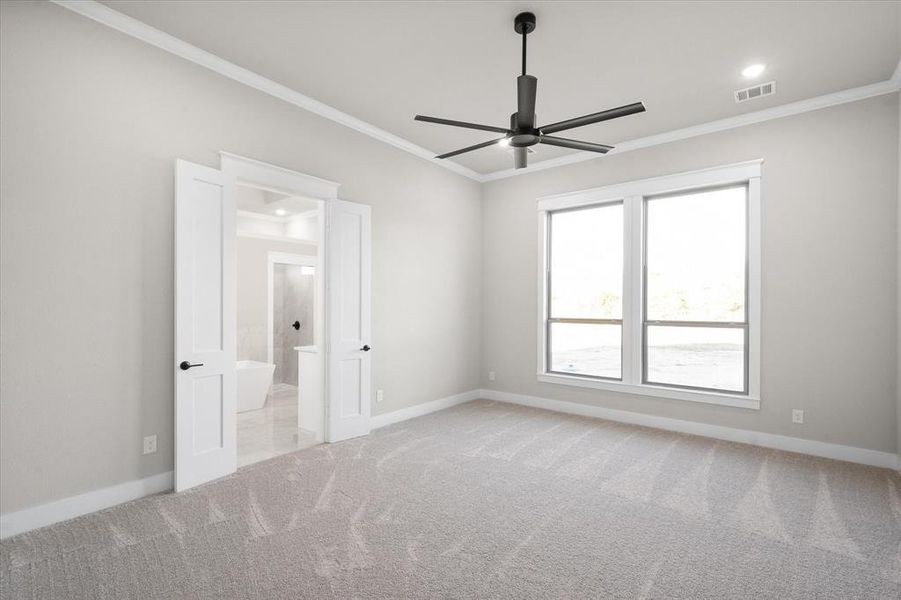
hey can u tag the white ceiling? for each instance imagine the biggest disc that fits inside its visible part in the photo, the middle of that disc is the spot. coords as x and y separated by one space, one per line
384 62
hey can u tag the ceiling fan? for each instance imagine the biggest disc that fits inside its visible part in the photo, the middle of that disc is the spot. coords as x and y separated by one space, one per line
523 132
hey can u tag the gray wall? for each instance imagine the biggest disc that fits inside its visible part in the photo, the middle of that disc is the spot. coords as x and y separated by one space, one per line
91 123
830 254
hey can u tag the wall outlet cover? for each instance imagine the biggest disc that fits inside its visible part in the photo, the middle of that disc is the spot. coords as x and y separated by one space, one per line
490 375
150 444
379 395
797 415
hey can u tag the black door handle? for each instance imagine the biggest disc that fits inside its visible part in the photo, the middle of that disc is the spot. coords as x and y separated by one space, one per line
296 325
185 365
366 348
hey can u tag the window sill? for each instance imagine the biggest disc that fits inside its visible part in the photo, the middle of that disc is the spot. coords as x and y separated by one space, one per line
722 399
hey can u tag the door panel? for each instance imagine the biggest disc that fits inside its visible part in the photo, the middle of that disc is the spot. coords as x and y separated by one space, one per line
350 387
349 228
349 288
205 251
205 402
208 413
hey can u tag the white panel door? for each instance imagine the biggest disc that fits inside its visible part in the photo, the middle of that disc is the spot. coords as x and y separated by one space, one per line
348 260
205 402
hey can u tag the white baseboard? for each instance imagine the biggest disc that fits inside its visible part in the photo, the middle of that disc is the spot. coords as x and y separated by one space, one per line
68 508
419 410
852 454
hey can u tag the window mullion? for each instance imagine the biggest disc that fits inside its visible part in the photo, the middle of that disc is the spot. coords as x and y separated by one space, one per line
632 265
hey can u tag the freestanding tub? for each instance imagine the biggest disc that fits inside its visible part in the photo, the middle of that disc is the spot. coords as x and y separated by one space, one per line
253 381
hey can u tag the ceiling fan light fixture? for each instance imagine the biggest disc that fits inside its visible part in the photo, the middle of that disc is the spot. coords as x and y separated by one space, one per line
523 132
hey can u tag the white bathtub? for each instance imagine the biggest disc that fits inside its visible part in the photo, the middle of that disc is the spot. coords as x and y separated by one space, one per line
253 381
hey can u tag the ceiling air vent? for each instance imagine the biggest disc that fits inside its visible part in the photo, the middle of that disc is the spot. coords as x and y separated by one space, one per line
757 91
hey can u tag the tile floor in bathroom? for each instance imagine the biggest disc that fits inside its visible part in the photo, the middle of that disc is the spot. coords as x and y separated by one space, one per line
272 430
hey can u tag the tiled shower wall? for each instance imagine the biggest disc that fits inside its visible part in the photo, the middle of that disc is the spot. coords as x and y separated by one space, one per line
292 295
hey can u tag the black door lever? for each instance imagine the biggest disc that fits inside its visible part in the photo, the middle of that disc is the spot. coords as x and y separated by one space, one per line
296 325
185 365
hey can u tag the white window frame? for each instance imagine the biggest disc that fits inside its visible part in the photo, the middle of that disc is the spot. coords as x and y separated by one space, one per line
632 194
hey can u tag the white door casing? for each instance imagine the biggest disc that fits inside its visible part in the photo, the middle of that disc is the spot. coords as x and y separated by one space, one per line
205 401
348 291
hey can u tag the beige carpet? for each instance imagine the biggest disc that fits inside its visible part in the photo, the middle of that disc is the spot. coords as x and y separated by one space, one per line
489 500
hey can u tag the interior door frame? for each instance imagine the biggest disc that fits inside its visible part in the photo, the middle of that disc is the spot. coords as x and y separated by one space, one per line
289 258
255 173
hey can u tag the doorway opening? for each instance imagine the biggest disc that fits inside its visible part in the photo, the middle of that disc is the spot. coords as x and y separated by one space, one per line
254 206
278 312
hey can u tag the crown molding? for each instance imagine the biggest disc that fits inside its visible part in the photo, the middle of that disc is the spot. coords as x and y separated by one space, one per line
137 29
140 30
768 114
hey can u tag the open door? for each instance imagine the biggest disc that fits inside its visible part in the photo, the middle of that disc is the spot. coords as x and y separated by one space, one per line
205 401
348 290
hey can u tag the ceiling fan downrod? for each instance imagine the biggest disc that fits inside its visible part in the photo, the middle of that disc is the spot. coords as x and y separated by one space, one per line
524 23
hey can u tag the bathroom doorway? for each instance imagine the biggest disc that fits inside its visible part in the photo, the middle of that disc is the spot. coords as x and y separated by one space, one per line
223 373
278 314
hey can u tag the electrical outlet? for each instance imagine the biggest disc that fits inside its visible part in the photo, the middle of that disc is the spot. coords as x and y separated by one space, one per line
379 395
490 375
797 415
150 444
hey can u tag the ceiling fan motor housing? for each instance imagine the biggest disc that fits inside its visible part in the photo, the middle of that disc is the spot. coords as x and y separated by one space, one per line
522 137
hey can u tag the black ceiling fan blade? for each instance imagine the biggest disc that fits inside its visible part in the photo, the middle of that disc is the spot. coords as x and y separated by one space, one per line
574 144
520 158
604 115
460 124
469 148
526 88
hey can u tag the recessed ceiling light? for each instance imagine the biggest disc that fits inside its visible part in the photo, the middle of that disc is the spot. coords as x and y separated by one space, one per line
281 212
504 142
752 71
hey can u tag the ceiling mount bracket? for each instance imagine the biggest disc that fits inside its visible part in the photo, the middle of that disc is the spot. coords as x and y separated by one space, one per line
524 23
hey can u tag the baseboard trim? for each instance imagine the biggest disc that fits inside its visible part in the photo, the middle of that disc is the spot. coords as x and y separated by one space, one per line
852 454
68 508
419 410
75 506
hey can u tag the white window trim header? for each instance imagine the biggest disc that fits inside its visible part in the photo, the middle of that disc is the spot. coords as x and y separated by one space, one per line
632 194
653 186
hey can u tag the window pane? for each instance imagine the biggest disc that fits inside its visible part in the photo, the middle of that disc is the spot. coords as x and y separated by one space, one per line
696 256
587 263
587 349
705 357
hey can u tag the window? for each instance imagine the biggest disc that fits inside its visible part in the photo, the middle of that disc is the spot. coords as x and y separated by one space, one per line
585 320
694 277
652 287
